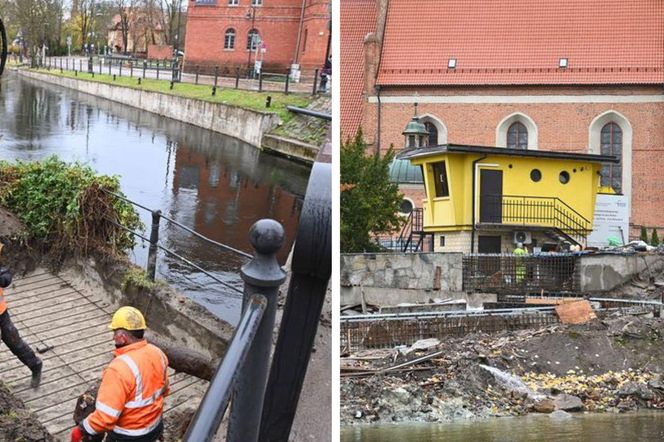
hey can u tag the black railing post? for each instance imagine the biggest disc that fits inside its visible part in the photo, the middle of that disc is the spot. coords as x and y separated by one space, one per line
120 71
197 72
260 81
157 69
237 78
90 65
313 92
154 238
131 68
262 276
310 275
110 64
287 82
216 77
145 66
101 66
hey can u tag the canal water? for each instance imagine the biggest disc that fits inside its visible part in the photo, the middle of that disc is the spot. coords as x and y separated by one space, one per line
216 185
607 427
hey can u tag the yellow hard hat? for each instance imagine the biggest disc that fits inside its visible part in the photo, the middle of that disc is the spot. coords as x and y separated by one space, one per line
128 318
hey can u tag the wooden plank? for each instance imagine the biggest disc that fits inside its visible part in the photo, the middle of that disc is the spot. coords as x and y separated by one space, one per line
577 312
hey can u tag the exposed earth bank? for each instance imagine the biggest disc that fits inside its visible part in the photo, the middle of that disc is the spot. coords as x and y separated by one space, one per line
610 365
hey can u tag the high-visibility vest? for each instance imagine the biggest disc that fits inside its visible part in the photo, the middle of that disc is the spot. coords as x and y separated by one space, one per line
130 400
3 303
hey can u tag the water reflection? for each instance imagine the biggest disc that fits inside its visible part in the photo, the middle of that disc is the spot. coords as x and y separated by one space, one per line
214 184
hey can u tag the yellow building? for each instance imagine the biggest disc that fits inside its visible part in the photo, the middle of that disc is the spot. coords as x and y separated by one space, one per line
486 199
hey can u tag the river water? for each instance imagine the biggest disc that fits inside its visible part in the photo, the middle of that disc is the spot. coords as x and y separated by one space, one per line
629 427
214 184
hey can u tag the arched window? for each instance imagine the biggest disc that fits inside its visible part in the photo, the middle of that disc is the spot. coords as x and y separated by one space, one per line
433 133
517 136
253 40
229 39
611 143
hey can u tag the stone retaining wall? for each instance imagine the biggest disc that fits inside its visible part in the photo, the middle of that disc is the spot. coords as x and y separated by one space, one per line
244 124
394 278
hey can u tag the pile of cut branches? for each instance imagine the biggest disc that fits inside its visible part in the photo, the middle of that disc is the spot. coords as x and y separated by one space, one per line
67 208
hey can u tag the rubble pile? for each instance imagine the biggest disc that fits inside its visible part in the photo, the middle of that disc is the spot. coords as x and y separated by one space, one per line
608 365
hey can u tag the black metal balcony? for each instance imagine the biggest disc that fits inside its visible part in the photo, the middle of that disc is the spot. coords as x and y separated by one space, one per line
534 211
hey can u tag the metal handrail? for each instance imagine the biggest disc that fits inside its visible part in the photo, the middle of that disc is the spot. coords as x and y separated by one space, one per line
561 218
188 229
215 402
171 252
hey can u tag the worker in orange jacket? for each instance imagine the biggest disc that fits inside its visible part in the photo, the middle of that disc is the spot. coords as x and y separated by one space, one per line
10 335
130 400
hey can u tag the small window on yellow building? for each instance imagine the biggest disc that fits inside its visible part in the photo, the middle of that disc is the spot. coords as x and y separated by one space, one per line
440 179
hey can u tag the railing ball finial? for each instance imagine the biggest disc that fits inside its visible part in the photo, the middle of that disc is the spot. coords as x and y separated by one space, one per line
266 236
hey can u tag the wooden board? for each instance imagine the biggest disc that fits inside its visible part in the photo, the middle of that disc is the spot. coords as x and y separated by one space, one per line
575 312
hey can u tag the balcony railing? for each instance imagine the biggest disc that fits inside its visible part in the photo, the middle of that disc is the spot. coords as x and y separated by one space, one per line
534 211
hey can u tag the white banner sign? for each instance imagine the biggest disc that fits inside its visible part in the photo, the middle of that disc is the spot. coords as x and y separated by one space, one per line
611 220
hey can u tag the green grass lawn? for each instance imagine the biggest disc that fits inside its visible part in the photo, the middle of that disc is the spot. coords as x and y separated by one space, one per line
233 97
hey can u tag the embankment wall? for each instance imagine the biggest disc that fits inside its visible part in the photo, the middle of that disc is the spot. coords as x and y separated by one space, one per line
244 124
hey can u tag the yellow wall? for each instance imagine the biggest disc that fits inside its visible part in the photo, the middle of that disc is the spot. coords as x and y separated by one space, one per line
455 212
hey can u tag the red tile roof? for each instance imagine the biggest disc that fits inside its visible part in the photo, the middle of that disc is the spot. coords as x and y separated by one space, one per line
358 18
504 42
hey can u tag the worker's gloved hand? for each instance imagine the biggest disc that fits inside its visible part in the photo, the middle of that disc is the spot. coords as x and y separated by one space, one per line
5 277
76 434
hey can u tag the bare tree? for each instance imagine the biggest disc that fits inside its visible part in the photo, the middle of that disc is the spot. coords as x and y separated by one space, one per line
39 21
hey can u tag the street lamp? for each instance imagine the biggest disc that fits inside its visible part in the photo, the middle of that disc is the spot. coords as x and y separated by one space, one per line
251 14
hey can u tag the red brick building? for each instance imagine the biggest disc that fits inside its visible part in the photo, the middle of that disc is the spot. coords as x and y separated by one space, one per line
219 32
557 75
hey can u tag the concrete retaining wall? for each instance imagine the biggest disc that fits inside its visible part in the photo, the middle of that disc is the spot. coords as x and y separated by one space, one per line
246 125
602 273
293 149
394 278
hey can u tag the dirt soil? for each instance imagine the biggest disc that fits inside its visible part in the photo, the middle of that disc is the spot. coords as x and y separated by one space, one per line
17 423
610 365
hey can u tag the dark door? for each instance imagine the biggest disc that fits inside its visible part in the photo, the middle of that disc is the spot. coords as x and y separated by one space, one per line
488 244
491 196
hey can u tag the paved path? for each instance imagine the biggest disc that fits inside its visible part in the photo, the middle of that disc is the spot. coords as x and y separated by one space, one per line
50 311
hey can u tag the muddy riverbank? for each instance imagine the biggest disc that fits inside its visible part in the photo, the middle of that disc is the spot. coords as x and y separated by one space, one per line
610 365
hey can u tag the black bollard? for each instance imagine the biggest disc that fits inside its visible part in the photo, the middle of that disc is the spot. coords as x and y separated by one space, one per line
268 101
287 82
216 77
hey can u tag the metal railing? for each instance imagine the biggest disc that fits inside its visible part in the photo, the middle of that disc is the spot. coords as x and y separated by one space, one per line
216 77
504 274
263 407
520 210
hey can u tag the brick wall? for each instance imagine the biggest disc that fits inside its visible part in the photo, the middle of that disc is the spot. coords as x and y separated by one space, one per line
160 52
277 21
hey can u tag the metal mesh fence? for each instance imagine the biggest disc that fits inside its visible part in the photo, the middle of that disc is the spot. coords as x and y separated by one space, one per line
494 273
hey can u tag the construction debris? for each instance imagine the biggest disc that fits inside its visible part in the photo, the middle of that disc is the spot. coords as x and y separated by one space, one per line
609 365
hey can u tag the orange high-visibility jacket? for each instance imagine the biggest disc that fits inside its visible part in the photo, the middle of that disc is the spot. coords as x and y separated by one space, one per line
3 303
130 400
